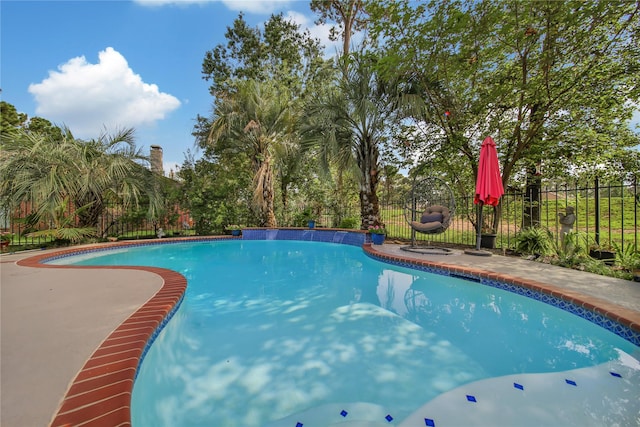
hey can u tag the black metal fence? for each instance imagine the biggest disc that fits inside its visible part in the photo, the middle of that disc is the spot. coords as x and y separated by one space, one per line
606 213
115 222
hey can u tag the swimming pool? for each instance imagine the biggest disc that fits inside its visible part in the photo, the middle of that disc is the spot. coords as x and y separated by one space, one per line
359 337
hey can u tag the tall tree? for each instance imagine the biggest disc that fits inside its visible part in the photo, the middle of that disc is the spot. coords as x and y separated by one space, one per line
535 73
549 80
87 175
349 15
351 125
10 118
281 51
256 119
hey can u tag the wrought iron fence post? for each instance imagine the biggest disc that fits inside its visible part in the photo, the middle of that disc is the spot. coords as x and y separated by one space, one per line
597 213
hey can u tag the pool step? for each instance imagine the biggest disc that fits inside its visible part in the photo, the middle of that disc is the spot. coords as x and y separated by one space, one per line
352 414
606 394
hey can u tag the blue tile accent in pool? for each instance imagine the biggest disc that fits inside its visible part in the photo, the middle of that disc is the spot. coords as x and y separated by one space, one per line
615 374
299 424
156 333
429 422
518 386
571 382
389 418
471 398
344 413
308 235
599 319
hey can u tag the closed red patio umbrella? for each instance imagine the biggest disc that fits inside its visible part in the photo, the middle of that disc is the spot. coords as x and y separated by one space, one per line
489 187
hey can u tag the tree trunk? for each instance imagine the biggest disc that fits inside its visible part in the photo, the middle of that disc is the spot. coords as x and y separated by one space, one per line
369 203
90 216
264 195
531 214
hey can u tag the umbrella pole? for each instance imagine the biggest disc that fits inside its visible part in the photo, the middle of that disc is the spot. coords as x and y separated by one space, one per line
477 251
479 226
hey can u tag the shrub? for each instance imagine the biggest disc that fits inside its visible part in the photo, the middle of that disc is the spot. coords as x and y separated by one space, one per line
534 241
350 222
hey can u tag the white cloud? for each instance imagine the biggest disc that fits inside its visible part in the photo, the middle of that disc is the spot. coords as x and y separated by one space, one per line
256 6
89 97
248 6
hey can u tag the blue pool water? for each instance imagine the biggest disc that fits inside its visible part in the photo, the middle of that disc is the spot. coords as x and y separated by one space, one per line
273 328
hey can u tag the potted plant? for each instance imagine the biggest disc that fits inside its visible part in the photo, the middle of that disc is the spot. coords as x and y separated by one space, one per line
235 229
604 252
628 259
635 269
5 240
488 239
488 232
534 241
378 233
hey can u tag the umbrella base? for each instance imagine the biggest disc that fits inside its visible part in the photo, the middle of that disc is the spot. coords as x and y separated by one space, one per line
477 252
428 250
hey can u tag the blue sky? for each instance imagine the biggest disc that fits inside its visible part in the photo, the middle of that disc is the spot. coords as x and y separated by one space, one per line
96 65
93 65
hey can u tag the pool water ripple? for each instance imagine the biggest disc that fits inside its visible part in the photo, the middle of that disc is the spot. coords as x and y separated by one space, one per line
297 325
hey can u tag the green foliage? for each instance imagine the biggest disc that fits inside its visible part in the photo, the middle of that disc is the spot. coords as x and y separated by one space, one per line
280 51
626 256
301 219
377 229
63 226
347 14
573 250
87 175
350 222
256 120
215 193
534 240
571 66
10 119
349 126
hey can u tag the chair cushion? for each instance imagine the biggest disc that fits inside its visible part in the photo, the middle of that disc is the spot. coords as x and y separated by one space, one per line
427 227
431 217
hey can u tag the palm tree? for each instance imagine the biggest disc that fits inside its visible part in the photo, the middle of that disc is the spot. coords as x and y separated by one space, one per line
256 119
52 174
350 125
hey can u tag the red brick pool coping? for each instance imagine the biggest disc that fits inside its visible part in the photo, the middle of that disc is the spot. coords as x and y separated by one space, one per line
100 394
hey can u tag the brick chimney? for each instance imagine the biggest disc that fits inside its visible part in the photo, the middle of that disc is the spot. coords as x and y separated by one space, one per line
156 160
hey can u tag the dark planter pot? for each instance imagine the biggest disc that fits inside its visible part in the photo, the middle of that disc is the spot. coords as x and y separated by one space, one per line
377 239
235 232
606 256
636 275
312 224
488 241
